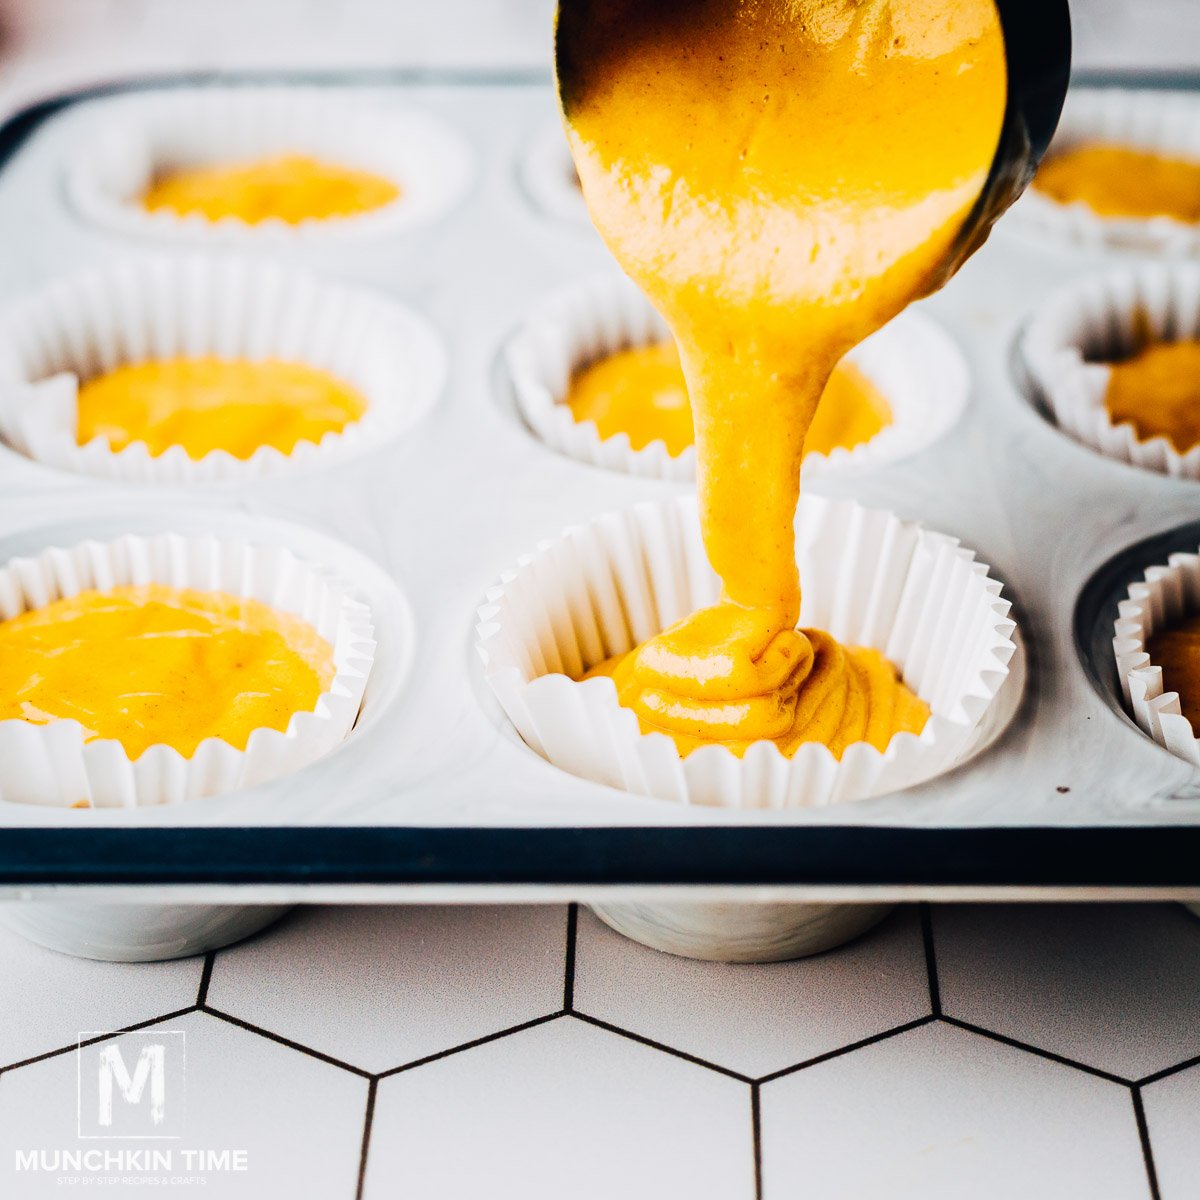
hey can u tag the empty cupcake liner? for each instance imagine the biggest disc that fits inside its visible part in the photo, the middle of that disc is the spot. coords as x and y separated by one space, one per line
1140 119
912 362
547 174
869 578
1163 598
157 308
1070 340
52 764
146 135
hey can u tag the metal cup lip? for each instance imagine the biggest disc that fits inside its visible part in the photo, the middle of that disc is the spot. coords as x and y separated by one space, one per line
1037 51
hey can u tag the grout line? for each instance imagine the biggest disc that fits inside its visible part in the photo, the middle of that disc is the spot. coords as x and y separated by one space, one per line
859 1045
275 1037
206 978
1036 1050
1166 1071
569 971
671 1050
756 1128
931 967
372 1088
482 1041
1139 1112
37 1058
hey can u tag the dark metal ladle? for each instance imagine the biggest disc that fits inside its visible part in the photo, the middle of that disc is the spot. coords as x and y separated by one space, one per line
1037 50
1037 46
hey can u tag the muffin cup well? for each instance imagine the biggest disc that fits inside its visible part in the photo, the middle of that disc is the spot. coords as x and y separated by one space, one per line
912 362
52 764
1163 598
869 578
1070 340
158 308
548 176
1140 119
147 134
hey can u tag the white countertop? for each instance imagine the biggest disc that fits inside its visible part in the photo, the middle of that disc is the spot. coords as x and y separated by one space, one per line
975 1053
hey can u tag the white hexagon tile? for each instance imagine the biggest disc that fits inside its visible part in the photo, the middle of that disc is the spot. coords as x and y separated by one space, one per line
939 1113
451 1053
380 987
298 1121
1114 986
564 1109
1172 1109
785 1012
46 999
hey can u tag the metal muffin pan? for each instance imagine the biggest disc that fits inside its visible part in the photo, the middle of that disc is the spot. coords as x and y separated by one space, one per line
433 795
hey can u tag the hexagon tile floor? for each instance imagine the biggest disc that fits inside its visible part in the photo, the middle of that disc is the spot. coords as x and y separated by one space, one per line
965 1053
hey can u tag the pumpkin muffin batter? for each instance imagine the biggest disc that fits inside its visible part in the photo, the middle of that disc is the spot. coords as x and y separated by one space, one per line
642 392
145 665
289 187
1177 652
781 178
1117 181
1158 392
207 404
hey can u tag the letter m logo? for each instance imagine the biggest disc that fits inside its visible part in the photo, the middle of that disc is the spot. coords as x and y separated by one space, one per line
151 1065
131 1085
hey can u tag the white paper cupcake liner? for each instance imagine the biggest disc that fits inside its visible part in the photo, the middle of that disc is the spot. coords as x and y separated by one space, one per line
157 308
52 764
912 362
1070 340
547 174
147 134
1139 119
868 577
1163 598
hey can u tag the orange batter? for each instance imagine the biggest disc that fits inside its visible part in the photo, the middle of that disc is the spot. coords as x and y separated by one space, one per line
154 664
289 187
1177 652
781 177
1158 392
642 392
207 404
1117 181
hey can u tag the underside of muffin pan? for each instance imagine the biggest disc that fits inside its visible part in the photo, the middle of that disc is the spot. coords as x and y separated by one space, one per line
430 791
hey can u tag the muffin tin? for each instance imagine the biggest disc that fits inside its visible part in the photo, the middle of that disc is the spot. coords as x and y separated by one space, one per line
915 367
433 793
1164 120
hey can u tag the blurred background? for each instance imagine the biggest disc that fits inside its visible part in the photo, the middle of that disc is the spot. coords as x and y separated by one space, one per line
46 45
